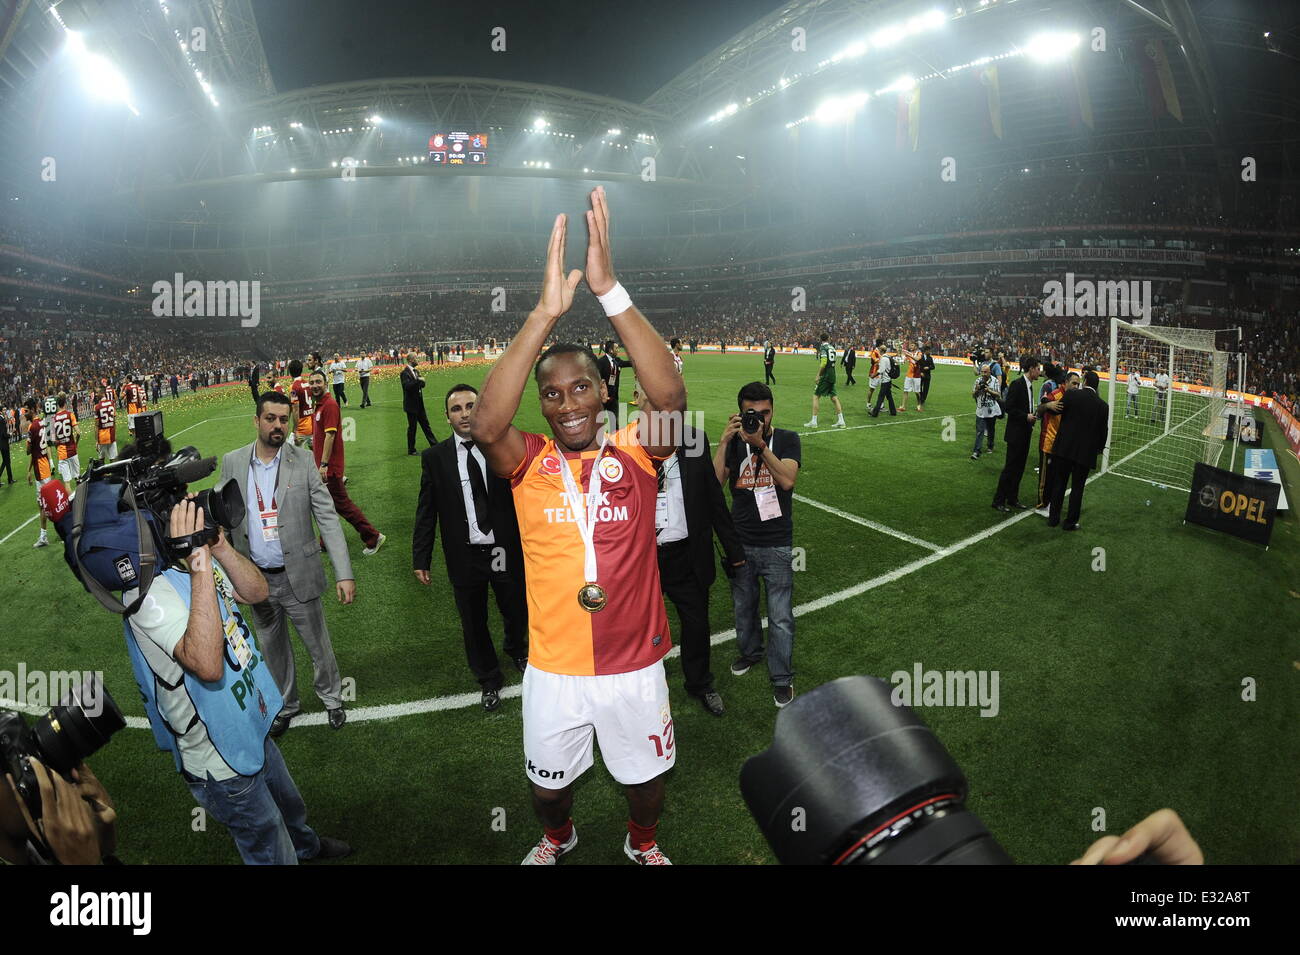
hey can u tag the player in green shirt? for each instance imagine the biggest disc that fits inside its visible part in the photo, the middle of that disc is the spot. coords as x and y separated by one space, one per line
825 382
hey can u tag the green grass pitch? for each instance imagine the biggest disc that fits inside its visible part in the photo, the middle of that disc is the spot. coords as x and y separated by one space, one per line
1120 689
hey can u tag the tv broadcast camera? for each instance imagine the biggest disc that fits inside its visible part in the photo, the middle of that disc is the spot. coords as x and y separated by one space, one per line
120 518
875 785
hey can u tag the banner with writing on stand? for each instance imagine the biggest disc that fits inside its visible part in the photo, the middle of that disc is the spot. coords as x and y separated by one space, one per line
1232 503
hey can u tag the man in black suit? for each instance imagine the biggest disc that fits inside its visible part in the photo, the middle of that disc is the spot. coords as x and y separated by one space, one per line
611 366
480 542
413 405
1022 412
769 359
849 361
690 509
1079 439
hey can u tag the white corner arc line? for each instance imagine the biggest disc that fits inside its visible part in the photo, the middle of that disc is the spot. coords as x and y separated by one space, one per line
884 529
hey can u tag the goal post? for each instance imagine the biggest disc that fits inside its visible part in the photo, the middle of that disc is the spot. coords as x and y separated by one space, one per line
1173 415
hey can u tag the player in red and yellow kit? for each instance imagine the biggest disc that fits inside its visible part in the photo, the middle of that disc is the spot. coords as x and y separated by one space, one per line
38 463
63 428
327 449
912 383
597 629
1047 434
106 436
301 426
873 379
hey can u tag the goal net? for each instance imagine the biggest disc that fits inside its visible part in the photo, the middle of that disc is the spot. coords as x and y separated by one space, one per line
1167 401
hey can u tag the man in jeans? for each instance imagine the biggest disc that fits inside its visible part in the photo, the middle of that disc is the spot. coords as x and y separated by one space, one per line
987 408
761 466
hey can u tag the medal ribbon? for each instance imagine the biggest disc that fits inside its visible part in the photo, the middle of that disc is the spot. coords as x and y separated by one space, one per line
586 520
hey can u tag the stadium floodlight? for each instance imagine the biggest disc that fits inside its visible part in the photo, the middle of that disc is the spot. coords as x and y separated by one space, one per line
848 53
613 132
540 123
887 36
838 109
295 125
376 119
1050 47
903 84
101 78
293 169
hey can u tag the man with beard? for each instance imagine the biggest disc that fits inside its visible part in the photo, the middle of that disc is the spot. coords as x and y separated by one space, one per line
586 501
282 494
327 447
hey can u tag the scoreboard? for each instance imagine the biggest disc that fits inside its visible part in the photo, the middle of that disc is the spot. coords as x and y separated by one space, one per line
458 149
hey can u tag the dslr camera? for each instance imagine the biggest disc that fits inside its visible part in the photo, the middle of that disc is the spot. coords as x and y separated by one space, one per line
751 421
61 739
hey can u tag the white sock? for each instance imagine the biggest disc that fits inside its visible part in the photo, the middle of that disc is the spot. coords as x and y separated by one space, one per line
840 419
813 423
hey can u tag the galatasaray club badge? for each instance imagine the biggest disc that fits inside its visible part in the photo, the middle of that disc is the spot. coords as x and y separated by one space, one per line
592 597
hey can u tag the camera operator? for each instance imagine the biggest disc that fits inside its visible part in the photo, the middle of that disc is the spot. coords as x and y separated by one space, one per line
78 824
761 464
197 662
987 408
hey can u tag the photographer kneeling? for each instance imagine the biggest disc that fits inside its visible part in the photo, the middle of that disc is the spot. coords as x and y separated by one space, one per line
197 661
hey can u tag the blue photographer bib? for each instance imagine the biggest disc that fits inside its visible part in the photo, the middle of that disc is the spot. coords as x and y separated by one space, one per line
236 710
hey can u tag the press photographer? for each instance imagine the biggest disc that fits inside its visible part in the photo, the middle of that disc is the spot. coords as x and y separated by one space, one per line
53 809
209 699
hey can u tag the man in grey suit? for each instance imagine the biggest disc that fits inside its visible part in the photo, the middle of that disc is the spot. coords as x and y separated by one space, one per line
283 492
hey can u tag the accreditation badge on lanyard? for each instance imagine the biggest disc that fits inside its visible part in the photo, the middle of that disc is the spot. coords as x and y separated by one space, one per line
769 507
268 517
236 631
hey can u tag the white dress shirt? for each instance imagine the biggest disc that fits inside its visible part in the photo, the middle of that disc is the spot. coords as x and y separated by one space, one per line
476 536
675 529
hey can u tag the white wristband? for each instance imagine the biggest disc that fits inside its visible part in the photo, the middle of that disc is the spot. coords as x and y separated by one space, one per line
615 301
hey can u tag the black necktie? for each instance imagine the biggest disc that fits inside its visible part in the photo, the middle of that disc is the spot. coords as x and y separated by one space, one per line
478 489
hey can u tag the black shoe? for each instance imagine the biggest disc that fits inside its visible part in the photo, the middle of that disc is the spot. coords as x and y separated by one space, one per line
412 451
337 717
711 700
974 455
741 666
521 663
1019 507
491 700
782 695
280 724
1001 507
1053 523
331 849
1069 527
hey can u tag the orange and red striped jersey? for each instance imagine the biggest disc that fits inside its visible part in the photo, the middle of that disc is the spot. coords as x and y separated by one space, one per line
1051 421
631 632
37 448
106 416
64 429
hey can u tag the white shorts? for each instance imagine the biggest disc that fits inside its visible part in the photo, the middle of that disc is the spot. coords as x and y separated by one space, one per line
108 451
874 382
912 384
627 713
69 468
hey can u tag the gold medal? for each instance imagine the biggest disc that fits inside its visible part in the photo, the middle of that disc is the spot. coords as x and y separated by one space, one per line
592 597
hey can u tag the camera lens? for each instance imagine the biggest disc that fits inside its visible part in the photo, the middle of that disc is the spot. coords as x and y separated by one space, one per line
875 785
78 727
222 506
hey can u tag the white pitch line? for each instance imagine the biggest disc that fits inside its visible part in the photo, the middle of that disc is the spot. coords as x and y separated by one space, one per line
19 527
884 529
885 424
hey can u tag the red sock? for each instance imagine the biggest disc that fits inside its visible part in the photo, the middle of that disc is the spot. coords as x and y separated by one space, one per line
643 837
562 835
